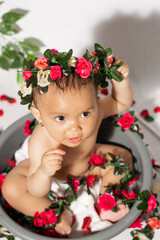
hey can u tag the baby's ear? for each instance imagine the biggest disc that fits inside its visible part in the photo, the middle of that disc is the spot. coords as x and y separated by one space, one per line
36 113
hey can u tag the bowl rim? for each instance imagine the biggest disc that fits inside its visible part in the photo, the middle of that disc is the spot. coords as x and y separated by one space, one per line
105 234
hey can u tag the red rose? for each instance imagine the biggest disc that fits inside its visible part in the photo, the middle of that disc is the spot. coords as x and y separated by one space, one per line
137 223
37 220
130 195
1 112
76 184
55 72
83 67
3 97
157 109
11 162
48 217
144 113
2 178
86 223
154 222
12 100
41 63
96 160
133 180
27 74
106 201
27 130
90 180
126 121
54 50
151 203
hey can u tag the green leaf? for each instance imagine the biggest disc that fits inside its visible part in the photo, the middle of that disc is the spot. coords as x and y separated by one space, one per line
49 54
142 206
9 51
145 195
69 54
98 47
19 77
11 17
149 118
16 62
1 2
116 75
108 52
70 198
86 55
7 29
31 56
4 63
29 46
30 65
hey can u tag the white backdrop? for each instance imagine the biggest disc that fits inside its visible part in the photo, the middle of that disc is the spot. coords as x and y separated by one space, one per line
130 27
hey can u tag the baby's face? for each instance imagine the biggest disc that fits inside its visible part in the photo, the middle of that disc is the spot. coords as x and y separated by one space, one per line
70 116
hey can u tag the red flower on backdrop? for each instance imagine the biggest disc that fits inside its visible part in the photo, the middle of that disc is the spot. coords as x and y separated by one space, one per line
48 217
11 162
76 184
133 180
1 112
55 72
137 223
157 109
2 178
126 121
154 164
54 50
154 223
110 60
86 223
104 91
83 67
90 180
144 113
106 202
27 130
27 74
130 195
3 97
37 220
96 160
151 203
41 63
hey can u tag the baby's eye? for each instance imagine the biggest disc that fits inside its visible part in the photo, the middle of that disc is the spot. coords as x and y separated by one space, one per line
85 114
59 118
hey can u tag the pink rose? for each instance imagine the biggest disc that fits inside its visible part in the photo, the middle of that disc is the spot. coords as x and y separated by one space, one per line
55 72
151 203
27 74
133 180
130 195
76 184
2 178
48 217
37 220
27 130
54 50
126 121
106 201
83 67
137 223
90 180
41 63
96 160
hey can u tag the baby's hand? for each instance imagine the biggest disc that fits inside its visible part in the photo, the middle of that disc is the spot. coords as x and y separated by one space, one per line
124 69
52 161
115 216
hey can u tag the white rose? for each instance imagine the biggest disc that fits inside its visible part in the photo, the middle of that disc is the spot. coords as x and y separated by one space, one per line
26 91
42 78
141 236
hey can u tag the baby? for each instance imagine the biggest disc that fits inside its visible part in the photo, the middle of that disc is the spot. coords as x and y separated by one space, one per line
69 114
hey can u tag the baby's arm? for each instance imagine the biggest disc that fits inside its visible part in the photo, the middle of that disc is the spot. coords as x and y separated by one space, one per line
42 167
121 97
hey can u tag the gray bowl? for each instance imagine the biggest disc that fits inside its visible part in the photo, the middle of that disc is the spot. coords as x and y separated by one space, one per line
10 141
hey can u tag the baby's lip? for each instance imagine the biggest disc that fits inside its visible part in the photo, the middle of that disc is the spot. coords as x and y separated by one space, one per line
74 140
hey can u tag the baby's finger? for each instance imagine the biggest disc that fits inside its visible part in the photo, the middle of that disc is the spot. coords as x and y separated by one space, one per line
53 157
59 151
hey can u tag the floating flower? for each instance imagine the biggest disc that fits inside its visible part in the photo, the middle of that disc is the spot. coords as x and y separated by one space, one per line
48 217
27 130
1 112
106 202
126 121
157 109
41 63
72 62
42 78
83 67
96 160
26 91
3 97
151 203
137 223
154 222
37 220
104 91
144 113
86 223
2 178
55 72
90 180
130 195
27 74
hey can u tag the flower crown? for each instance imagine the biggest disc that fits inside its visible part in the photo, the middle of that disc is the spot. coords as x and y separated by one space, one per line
53 65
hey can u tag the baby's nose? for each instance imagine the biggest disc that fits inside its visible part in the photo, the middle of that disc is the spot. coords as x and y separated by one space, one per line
74 127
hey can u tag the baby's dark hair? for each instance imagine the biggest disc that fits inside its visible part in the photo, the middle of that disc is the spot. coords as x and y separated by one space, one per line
72 81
